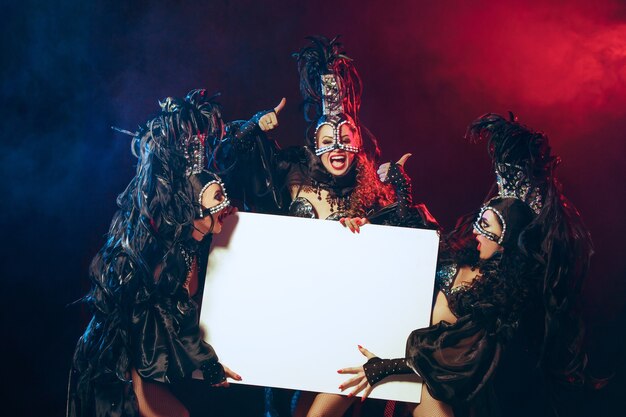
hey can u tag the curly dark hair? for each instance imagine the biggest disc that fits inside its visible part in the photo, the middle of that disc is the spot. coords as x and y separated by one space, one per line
510 280
370 192
156 209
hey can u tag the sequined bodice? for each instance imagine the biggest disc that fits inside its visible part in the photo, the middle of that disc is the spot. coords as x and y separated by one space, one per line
302 207
445 277
444 280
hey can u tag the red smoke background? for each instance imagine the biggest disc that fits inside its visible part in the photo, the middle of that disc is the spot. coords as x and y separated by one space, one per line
428 69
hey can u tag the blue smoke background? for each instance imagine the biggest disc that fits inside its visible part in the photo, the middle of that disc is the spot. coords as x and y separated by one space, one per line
71 70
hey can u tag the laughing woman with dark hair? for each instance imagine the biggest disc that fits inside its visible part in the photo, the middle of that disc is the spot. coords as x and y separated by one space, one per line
505 332
144 334
332 177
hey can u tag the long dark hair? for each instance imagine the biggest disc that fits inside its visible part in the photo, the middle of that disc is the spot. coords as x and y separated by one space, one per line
157 208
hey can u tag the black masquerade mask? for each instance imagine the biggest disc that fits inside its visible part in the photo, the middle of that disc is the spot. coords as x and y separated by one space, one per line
333 115
513 214
200 182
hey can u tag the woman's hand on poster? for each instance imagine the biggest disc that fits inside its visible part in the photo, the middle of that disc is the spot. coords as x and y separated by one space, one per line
359 380
353 223
383 170
269 120
229 373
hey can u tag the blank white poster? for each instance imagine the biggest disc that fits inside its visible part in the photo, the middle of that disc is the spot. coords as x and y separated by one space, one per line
287 300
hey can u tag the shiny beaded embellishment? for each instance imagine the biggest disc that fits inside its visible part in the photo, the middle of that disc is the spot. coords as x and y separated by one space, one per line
445 277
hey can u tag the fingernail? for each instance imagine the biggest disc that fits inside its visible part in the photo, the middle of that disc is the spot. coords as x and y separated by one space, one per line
360 347
341 387
350 395
339 371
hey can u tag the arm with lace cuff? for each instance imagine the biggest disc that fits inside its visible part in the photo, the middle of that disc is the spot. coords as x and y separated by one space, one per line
402 185
243 133
376 369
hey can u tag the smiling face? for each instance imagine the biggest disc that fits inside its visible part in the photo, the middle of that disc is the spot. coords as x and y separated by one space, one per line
213 214
488 230
337 161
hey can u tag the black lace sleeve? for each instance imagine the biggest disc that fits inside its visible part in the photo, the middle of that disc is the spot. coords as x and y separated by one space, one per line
403 212
249 163
457 360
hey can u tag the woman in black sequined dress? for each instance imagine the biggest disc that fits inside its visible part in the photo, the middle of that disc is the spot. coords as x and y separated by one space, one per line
147 279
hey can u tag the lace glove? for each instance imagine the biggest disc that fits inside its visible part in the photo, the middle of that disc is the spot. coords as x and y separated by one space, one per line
213 372
242 133
377 369
398 178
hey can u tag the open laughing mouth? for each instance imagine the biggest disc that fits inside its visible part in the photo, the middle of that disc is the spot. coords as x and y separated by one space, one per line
338 161
225 213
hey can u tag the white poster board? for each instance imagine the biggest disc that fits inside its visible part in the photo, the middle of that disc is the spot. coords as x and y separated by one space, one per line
287 300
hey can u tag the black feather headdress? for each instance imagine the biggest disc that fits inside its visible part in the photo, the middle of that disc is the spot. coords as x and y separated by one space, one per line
326 57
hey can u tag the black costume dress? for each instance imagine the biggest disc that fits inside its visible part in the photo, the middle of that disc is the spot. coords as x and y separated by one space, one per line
151 327
480 365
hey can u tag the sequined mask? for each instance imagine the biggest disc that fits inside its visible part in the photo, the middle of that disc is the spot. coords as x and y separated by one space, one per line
489 235
212 210
336 122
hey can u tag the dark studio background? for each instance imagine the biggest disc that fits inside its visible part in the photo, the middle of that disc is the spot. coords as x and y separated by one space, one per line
72 69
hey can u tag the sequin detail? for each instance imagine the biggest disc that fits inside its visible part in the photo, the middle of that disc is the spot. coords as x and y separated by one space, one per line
302 207
513 183
188 256
445 278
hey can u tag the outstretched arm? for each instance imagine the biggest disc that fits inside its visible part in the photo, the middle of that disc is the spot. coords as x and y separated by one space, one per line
373 371
249 162
265 120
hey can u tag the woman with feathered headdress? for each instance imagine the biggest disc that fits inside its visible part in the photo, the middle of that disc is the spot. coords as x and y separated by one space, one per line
332 177
504 325
144 334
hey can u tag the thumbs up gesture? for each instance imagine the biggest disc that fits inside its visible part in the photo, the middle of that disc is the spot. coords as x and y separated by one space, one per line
383 170
269 120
